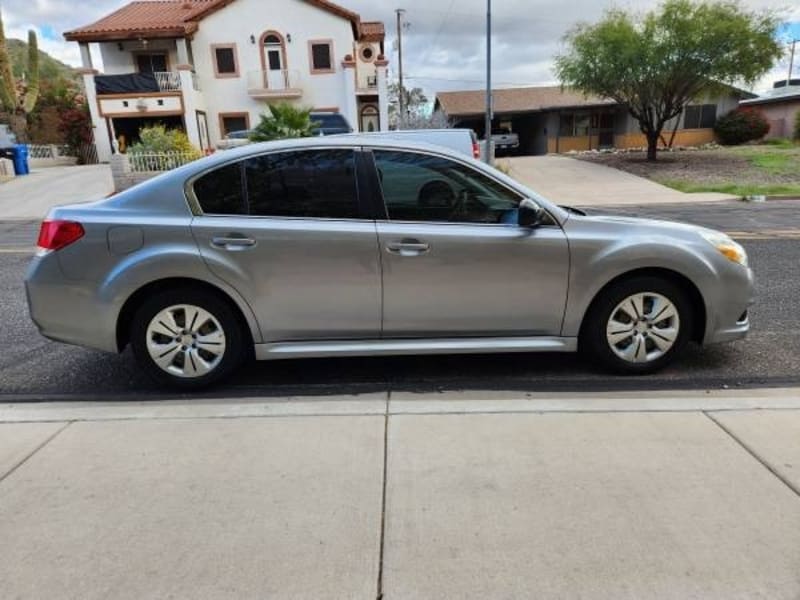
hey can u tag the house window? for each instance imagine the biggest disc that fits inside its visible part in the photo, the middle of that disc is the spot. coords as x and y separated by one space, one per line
225 64
574 124
700 116
229 122
321 54
152 63
367 53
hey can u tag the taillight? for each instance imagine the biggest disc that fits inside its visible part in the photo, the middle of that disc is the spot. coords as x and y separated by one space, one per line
476 150
55 235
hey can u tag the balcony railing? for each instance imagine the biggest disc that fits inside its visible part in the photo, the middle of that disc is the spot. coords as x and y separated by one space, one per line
274 84
168 81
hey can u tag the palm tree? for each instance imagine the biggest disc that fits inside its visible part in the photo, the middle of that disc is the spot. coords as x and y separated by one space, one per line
284 122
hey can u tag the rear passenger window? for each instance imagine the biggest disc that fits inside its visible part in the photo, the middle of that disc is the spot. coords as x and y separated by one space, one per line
220 192
305 183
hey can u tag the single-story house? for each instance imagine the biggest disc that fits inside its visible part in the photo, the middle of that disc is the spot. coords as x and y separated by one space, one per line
780 106
553 119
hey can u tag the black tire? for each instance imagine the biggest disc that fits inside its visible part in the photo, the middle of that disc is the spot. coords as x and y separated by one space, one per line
235 338
593 341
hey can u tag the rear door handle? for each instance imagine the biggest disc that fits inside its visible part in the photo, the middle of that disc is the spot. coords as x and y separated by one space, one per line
232 242
408 247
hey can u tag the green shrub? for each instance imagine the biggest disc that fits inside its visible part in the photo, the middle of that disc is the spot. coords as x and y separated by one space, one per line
740 126
157 138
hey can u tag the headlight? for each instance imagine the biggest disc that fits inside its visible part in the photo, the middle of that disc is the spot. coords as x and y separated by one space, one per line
726 246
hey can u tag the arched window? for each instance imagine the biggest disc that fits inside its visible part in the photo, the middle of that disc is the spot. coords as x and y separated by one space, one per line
273 60
370 119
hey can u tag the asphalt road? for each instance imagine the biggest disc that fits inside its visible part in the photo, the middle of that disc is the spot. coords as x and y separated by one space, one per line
32 368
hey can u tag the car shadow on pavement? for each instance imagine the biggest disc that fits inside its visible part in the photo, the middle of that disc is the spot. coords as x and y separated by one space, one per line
88 375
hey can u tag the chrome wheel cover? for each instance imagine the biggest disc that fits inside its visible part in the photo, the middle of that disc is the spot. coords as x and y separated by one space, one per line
643 327
185 341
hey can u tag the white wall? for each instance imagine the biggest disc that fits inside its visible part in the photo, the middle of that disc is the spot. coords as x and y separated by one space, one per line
120 62
243 18
366 69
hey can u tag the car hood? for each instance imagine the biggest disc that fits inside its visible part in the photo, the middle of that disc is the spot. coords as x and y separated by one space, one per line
642 225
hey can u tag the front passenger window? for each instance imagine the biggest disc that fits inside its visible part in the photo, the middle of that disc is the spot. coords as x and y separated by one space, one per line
423 187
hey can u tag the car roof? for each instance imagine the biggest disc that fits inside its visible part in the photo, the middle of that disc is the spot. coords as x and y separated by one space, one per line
349 140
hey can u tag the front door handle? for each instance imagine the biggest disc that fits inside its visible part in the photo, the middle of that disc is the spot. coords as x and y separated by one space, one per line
232 242
408 247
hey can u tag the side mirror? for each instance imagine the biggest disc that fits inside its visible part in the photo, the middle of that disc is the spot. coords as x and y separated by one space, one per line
530 214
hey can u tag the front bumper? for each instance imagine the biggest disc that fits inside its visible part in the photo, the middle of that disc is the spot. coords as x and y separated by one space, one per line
728 317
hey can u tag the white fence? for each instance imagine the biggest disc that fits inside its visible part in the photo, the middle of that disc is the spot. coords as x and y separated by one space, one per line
48 151
54 155
135 167
143 162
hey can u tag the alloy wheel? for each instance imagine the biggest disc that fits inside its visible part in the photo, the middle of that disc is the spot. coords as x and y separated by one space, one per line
643 327
186 341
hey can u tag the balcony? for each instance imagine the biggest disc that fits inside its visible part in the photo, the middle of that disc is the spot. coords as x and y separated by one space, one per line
142 83
274 84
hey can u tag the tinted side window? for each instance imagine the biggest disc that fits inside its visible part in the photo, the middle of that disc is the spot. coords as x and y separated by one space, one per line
420 187
220 191
306 183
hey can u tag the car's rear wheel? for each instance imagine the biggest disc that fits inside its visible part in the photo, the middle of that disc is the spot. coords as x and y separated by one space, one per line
187 338
638 325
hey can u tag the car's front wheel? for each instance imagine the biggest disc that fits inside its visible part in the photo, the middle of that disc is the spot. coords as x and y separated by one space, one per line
638 325
187 338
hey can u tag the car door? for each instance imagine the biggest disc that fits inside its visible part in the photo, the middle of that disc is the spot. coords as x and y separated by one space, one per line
455 262
287 231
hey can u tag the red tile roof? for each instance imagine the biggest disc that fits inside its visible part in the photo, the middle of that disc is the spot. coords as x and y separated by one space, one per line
179 18
371 31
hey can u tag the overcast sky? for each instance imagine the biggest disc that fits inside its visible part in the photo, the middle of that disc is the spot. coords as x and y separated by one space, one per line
443 44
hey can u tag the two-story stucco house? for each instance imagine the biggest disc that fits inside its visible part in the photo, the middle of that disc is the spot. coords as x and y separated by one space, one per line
213 66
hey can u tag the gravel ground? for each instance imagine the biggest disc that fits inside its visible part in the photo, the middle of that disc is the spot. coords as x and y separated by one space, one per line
717 166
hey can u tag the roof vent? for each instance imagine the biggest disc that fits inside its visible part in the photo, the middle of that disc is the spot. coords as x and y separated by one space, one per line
187 5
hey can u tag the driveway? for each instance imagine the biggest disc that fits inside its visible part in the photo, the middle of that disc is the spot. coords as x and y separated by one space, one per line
573 182
32 196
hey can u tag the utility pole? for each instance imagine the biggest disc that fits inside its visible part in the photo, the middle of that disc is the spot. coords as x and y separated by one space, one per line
401 92
791 64
489 108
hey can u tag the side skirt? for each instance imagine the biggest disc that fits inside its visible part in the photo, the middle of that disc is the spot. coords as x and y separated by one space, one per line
384 347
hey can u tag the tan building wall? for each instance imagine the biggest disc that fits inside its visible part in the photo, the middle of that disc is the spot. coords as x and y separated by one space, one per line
684 137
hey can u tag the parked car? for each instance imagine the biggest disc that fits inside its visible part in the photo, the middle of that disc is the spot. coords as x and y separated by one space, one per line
461 140
235 139
354 245
505 140
330 123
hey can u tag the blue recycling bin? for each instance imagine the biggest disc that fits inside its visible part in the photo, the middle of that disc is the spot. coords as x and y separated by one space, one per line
20 158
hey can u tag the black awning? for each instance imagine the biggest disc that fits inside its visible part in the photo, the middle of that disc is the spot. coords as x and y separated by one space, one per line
130 83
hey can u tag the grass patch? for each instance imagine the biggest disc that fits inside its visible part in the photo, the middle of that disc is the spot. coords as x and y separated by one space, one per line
735 189
776 159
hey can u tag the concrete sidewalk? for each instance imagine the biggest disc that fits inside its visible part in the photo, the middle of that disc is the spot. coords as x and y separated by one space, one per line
663 495
565 180
32 196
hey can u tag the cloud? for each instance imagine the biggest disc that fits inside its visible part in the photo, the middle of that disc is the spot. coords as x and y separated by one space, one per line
444 45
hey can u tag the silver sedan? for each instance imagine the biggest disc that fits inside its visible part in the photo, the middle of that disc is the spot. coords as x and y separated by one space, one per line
357 246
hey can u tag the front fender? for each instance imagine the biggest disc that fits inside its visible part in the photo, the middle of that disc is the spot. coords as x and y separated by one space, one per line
595 262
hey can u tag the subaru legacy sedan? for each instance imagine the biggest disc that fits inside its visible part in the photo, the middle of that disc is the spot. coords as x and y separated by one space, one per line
355 246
